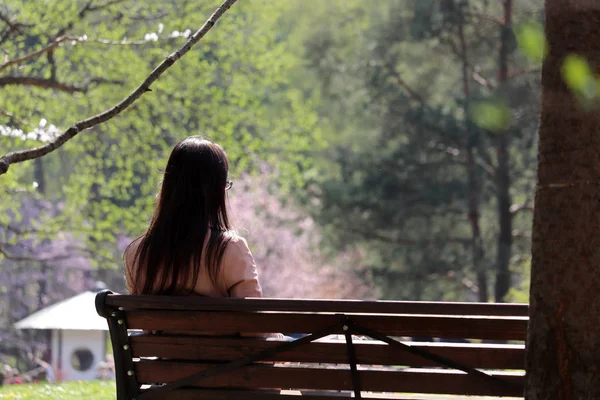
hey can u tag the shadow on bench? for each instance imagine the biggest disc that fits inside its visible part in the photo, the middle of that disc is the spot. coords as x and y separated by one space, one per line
366 359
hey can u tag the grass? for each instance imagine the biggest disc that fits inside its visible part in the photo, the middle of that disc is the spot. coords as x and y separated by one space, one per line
105 390
89 390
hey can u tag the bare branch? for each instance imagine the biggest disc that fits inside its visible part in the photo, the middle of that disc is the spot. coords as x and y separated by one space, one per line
160 15
474 69
18 231
17 119
13 257
12 27
52 63
109 3
518 72
402 83
521 235
489 169
6 20
481 80
54 84
113 42
58 41
42 83
516 208
89 7
34 54
410 242
24 155
485 17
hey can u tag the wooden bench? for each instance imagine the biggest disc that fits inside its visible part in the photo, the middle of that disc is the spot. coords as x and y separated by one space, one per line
371 357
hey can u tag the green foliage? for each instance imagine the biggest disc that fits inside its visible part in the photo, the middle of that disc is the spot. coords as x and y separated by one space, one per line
580 78
233 88
532 41
493 115
394 179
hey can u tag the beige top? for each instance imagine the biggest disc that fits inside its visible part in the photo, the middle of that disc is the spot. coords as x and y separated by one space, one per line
238 276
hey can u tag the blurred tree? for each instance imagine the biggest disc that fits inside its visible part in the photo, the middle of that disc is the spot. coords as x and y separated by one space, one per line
432 139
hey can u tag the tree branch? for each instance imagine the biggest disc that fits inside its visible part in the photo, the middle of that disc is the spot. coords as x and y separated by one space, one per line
485 17
13 257
34 54
89 7
17 119
109 3
59 40
24 155
518 72
486 164
481 80
6 20
472 68
516 208
12 25
409 242
8 255
402 83
18 231
9 80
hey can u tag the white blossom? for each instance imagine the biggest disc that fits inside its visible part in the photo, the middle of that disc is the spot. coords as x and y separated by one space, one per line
151 37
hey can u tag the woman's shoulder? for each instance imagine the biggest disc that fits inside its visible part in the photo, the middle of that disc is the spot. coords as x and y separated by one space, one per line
236 249
233 238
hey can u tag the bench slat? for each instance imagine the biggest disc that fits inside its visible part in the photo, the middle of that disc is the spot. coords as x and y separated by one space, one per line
197 303
264 376
372 353
220 394
491 328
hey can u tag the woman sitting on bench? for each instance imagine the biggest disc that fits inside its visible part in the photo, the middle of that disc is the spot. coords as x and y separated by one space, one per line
189 247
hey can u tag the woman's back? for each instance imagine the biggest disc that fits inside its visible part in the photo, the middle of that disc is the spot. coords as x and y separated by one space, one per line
237 276
189 247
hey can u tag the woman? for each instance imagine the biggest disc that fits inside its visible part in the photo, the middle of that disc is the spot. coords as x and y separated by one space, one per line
189 247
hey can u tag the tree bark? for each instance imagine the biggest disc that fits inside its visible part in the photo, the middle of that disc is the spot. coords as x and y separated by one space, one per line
563 343
504 248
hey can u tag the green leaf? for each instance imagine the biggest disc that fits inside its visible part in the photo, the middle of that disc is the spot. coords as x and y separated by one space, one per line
532 40
579 77
493 115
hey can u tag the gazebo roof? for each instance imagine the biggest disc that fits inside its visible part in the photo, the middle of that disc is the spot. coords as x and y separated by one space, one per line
75 313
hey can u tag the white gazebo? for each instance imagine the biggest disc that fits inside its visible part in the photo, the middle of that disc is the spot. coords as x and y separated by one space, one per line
79 335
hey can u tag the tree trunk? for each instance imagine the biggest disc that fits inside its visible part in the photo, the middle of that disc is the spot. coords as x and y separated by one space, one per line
563 343
504 247
503 172
472 185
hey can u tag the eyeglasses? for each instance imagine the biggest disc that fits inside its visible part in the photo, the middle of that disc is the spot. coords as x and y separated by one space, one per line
228 185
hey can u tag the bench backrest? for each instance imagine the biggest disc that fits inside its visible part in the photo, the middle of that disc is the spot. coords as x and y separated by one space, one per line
190 347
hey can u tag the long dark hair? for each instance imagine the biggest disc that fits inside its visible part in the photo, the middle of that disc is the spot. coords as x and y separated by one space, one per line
191 211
